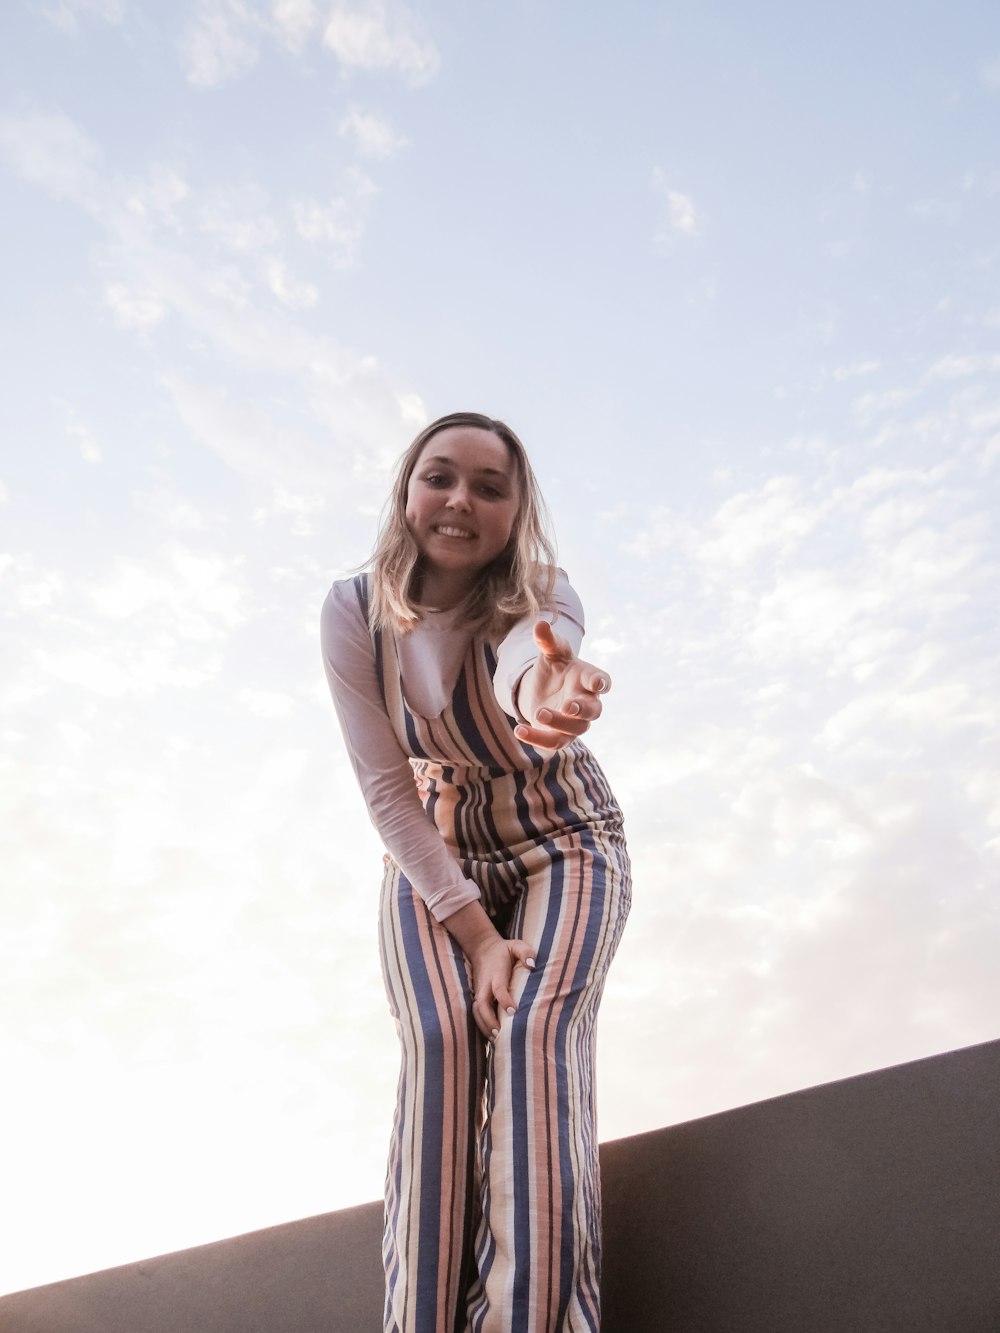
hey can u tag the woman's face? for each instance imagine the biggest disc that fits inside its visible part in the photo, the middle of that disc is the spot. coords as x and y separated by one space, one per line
461 503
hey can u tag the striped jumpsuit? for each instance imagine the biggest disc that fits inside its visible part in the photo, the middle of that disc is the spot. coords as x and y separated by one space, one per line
492 1220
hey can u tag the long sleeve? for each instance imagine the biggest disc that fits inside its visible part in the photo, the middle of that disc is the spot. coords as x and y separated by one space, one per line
380 764
518 650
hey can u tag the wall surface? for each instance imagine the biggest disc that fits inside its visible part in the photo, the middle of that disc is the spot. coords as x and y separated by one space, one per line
870 1205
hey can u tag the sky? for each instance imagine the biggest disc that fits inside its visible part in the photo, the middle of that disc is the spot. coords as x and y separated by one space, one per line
733 274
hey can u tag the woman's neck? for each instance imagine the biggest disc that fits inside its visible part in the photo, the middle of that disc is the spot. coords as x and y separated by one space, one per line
438 592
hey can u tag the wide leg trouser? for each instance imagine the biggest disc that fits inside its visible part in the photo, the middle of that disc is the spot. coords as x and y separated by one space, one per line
493 1191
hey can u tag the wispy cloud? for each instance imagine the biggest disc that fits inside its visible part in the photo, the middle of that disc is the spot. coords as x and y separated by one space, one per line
221 42
133 309
370 134
830 686
961 366
223 39
236 293
238 218
296 21
679 214
53 153
291 293
90 450
66 14
856 370
337 225
382 35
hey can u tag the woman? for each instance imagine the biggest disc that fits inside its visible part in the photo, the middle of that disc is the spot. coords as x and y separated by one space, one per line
453 668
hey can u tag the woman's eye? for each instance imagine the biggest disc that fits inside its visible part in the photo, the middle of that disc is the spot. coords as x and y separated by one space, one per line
491 492
436 479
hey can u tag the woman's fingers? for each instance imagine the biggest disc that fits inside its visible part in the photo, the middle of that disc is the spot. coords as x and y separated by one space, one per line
559 720
493 996
598 682
523 952
553 728
486 1021
551 643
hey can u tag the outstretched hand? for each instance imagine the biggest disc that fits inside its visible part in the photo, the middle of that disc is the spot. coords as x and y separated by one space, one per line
559 693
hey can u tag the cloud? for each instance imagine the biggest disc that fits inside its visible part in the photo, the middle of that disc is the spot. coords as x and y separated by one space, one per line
855 371
220 43
142 626
336 227
295 295
157 196
90 450
28 585
809 674
955 366
381 35
371 136
774 518
237 218
200 263
296 20
53 153
67 13
133 310
680 213
871 405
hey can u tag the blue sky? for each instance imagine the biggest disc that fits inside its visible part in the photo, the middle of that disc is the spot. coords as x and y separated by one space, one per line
732 274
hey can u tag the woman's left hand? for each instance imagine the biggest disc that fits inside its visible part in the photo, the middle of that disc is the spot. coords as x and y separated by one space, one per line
561 694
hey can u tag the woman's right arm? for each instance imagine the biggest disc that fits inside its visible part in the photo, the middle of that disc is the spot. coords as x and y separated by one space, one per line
380 765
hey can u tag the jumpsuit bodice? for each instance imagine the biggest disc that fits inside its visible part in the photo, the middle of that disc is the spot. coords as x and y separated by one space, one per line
500 805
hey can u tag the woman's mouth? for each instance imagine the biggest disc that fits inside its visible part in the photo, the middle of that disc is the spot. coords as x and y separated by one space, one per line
446 530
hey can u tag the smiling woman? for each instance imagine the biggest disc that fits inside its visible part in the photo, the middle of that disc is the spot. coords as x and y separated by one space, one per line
453 668
461 503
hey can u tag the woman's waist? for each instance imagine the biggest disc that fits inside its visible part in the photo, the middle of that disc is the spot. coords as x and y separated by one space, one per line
532 766
479 810
435 773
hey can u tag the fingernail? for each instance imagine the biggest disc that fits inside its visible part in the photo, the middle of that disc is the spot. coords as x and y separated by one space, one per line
572 709
600 685
543 715
529 962
495 1032
511 1011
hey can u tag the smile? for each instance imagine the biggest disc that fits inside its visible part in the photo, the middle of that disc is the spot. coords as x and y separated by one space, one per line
445 530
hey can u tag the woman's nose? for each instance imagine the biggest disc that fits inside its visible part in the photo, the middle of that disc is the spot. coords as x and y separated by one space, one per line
459 498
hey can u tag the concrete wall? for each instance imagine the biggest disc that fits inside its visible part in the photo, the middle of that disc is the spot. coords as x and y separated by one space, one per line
870 1205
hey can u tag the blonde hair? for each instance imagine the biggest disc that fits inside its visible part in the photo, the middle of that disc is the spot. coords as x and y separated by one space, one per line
517 583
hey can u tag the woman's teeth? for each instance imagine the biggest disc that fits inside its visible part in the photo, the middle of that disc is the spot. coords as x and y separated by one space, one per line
453 532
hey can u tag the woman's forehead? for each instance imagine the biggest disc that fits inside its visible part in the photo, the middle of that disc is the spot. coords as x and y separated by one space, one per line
471 448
